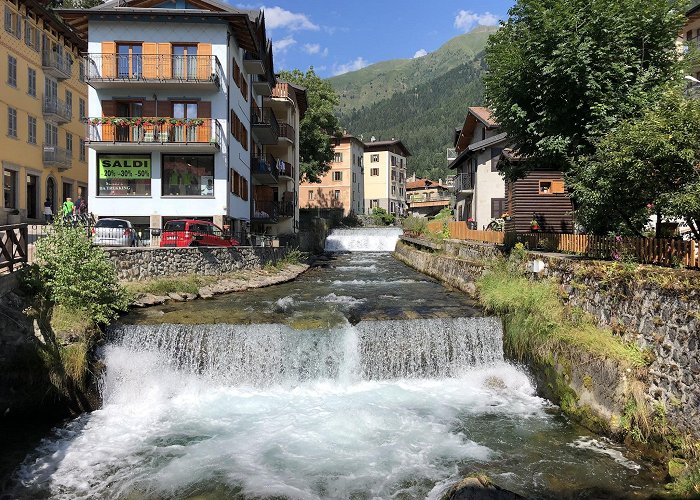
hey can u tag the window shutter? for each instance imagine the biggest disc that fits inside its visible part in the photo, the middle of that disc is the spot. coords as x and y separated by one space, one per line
558 187
165 60
204 65
109 59
149 60
109 108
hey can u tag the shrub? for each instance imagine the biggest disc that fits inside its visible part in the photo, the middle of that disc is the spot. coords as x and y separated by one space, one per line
445 213
381 217
417 225
71 272
351 220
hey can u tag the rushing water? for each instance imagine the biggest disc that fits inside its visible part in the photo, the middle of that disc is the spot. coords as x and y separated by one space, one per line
362 379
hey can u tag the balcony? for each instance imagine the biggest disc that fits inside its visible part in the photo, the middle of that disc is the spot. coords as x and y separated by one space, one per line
265 169
286 170
56 110
253 65
155 134
463 184
57 157
286 208
262 85
265 126
56 65
266 212
286 133
416 200
146 71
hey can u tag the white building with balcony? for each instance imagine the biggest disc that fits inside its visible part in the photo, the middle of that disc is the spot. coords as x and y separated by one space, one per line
172 87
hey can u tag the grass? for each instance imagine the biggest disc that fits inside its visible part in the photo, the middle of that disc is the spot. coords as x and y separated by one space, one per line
539 322
67 321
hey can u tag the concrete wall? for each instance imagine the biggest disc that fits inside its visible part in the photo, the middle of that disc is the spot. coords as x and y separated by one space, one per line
135 264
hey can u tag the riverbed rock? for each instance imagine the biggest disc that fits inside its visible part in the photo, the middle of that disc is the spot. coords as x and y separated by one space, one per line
149 299
176 297
478 488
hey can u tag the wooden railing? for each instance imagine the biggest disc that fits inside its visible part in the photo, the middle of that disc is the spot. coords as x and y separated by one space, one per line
13 246
660 251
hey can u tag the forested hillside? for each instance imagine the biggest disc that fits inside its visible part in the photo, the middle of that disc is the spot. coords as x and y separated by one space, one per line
420 101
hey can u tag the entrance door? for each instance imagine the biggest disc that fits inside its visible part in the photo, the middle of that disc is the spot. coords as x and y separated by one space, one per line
32 196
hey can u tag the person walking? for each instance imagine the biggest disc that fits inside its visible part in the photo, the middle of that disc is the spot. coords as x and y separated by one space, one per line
68 207
48 211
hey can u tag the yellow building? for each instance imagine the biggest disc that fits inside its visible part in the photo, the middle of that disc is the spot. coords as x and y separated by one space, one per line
42 98
385 176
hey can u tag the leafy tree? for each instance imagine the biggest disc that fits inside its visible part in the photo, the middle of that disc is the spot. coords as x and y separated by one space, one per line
77 4
318 126
71 272
647 164
381 217
562 73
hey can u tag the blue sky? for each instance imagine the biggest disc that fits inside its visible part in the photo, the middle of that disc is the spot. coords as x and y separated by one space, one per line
337 36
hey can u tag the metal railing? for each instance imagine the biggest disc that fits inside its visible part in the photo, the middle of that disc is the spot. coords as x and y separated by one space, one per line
57 157
264 117
420 198
153 67
463 182
265 164
286 131
266 211
147 130
287 169
56 63
54 106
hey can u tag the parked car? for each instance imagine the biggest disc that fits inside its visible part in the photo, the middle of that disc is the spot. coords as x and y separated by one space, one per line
114 233
193 233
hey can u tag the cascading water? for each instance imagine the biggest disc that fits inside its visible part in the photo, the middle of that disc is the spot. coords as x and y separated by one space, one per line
384 408
363 240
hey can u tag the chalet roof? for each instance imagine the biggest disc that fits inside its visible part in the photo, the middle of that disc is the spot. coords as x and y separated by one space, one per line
475 115
478 146
385 145
423 184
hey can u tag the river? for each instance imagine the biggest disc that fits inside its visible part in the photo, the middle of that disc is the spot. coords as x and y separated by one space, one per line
362 379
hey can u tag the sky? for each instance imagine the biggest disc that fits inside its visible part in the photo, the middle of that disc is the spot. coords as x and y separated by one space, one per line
337 36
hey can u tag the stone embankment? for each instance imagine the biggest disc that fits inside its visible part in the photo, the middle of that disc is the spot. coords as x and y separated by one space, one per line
137 264
245 280
658 310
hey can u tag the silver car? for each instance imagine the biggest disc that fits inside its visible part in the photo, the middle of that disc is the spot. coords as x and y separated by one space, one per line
114 233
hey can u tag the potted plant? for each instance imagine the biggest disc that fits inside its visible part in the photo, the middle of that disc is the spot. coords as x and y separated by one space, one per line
534 224
506 217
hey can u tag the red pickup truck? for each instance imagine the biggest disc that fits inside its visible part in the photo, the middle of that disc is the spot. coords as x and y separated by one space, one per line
194 233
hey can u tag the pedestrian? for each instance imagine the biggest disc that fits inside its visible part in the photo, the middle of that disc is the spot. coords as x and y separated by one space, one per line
68 207
77 204
48 211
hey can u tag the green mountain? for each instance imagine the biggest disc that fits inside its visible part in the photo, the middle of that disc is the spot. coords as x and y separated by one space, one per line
420 101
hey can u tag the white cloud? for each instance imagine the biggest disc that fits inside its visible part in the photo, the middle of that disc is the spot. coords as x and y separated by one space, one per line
315 48
277 17
420 53
359 63
467 19
283 44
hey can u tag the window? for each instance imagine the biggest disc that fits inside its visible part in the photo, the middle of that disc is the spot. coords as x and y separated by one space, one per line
31 130
81 71
374 159
393 190
13 22
81 108
354 159
50 89
337 176
9 187
69 101
69 143
354 177
29 33
50 134
188 175
67 190
244 88
373 203
129 62
12 122
11 71
311 195
374 172
123 175
498 207
236 74
393 175
337 157
336 194
81 153
185 62
394 161
31 79
551 187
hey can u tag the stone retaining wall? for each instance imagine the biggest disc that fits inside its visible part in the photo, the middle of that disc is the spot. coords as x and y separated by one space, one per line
135 264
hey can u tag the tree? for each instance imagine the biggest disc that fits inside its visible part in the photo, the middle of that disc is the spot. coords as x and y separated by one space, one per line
317 127
646 165
77 4
562 73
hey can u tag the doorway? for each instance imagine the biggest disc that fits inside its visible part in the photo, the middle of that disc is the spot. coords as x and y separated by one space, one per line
32 196
51 193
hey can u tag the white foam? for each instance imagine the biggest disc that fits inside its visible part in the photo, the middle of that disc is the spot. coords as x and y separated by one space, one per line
363 240
603 446
344 300
285 303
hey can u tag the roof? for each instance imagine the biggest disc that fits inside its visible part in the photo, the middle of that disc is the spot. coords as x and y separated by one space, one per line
385 145
50 17
478 146
475 115
423 184
124 10
299 97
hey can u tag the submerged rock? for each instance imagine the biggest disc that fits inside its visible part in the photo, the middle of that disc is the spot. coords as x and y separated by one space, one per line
478 488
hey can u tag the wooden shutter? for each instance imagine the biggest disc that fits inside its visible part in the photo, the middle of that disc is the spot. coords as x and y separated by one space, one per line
109 108
149 60
558 187
236 74
165 60
109 59
244 188
149 108
204 66
205 132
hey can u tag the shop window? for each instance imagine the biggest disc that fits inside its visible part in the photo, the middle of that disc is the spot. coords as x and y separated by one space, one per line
188 175
124 175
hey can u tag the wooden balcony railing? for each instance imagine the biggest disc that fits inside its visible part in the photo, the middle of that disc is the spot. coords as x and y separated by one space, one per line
147 130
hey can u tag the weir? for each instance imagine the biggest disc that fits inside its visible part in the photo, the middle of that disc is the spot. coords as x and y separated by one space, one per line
363 240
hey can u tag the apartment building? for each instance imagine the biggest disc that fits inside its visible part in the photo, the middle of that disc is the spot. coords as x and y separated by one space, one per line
276 165
385 182
478 186
342 187
426 198
178 109
42 99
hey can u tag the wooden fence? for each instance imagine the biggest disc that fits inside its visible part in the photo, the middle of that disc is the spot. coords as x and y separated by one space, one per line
13 246
460 231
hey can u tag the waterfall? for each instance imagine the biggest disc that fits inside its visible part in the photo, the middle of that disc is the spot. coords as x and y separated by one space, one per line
267 355
363 240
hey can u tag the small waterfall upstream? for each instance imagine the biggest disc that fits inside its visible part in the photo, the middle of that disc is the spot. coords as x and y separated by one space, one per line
376 239
269 355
